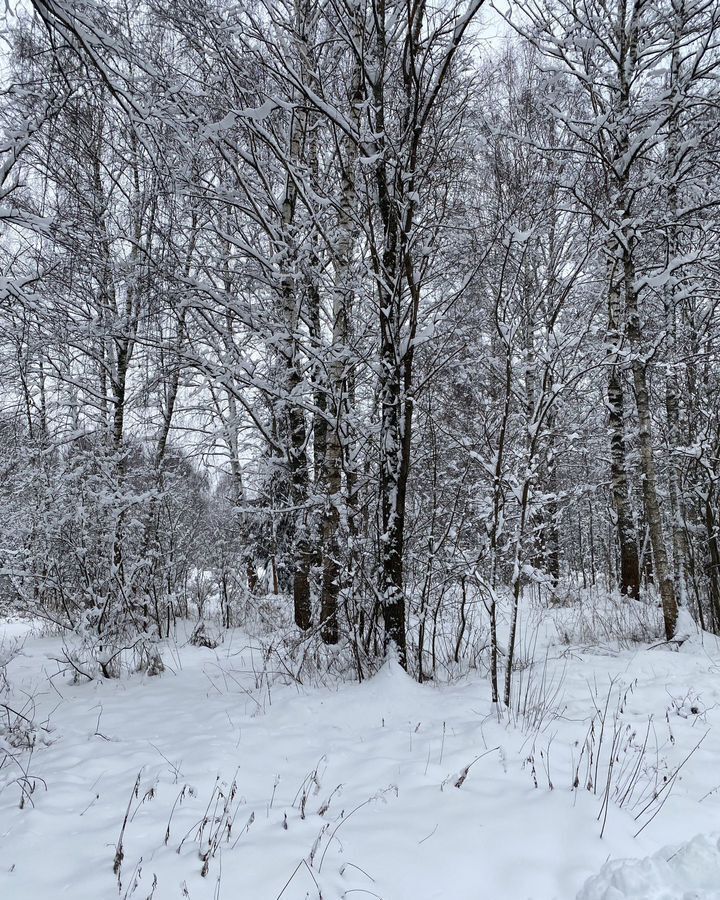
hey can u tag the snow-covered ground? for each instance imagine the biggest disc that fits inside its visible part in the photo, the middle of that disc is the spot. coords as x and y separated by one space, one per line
236 782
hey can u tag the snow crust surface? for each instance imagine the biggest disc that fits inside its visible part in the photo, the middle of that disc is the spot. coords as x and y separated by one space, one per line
688 872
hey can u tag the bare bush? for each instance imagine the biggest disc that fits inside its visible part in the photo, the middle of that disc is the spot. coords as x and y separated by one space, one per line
593 619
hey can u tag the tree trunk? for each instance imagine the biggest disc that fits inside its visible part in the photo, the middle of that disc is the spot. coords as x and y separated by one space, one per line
624 521
663 574
339 368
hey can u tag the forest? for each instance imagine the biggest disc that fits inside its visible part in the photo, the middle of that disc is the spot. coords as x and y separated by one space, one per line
359 360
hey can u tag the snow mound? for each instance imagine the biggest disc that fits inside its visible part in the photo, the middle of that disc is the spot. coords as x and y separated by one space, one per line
391 672
685 627
688 872
391 685
701 641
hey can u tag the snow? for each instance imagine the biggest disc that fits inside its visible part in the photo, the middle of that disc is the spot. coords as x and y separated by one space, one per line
282 789
685 627
688 872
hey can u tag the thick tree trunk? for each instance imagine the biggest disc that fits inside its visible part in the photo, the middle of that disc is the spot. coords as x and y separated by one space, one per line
393 481
672 302
624 520
663 573
339 370
624 524
303 551
294 414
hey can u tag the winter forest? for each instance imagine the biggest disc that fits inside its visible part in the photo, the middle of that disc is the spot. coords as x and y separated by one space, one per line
360 449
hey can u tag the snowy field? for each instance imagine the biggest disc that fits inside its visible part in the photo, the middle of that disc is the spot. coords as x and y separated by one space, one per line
225 779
